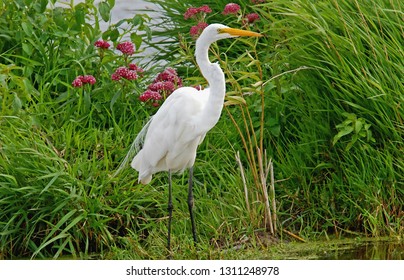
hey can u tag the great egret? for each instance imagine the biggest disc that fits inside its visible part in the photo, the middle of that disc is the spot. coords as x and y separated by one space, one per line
173 134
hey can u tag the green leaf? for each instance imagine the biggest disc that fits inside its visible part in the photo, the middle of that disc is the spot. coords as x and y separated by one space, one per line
80 15
10 178
119 23
112 35
114 99
136 39
352 142
111 3
27 48
234 100
105 11
276 130
345 131
59 18
344 124
137 20
17 104
87 100
358 125
27 27
41 7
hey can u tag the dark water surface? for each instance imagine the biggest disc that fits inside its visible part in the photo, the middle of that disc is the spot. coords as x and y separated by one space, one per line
369 250
349 249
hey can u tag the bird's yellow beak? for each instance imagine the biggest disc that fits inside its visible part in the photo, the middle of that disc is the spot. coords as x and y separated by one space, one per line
239 32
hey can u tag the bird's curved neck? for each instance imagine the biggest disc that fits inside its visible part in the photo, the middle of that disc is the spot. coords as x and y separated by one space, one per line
202 58
215 77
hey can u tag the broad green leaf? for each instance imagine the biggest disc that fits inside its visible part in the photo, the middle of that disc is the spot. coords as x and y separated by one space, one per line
358 126
27 27
80 15
136 39
105 11
112 35
137 20
345 131
27 48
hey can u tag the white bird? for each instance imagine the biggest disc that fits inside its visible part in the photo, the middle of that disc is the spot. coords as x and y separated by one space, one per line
173 134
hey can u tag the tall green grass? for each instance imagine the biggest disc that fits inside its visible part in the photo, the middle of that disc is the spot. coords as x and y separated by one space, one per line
353 96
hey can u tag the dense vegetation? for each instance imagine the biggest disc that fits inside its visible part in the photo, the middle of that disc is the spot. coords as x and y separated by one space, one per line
320 97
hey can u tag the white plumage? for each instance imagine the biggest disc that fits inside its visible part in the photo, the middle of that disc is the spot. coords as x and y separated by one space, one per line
183 120
172 137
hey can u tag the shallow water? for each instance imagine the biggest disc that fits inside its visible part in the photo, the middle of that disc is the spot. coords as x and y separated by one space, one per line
380 250
346 250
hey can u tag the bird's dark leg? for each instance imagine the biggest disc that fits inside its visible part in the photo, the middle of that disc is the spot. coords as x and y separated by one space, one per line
170 210
191 203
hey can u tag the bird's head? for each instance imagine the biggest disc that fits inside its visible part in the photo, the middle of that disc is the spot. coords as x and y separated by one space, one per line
216 31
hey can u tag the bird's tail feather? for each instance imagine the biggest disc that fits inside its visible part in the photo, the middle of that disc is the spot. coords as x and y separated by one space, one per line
135 147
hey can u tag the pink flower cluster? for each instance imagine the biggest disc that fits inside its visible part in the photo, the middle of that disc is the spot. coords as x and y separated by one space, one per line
251 18
129 73
126 48
192 11
102 44
79 81
196 30
198 13
163 85
134 67
169 75
231 8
